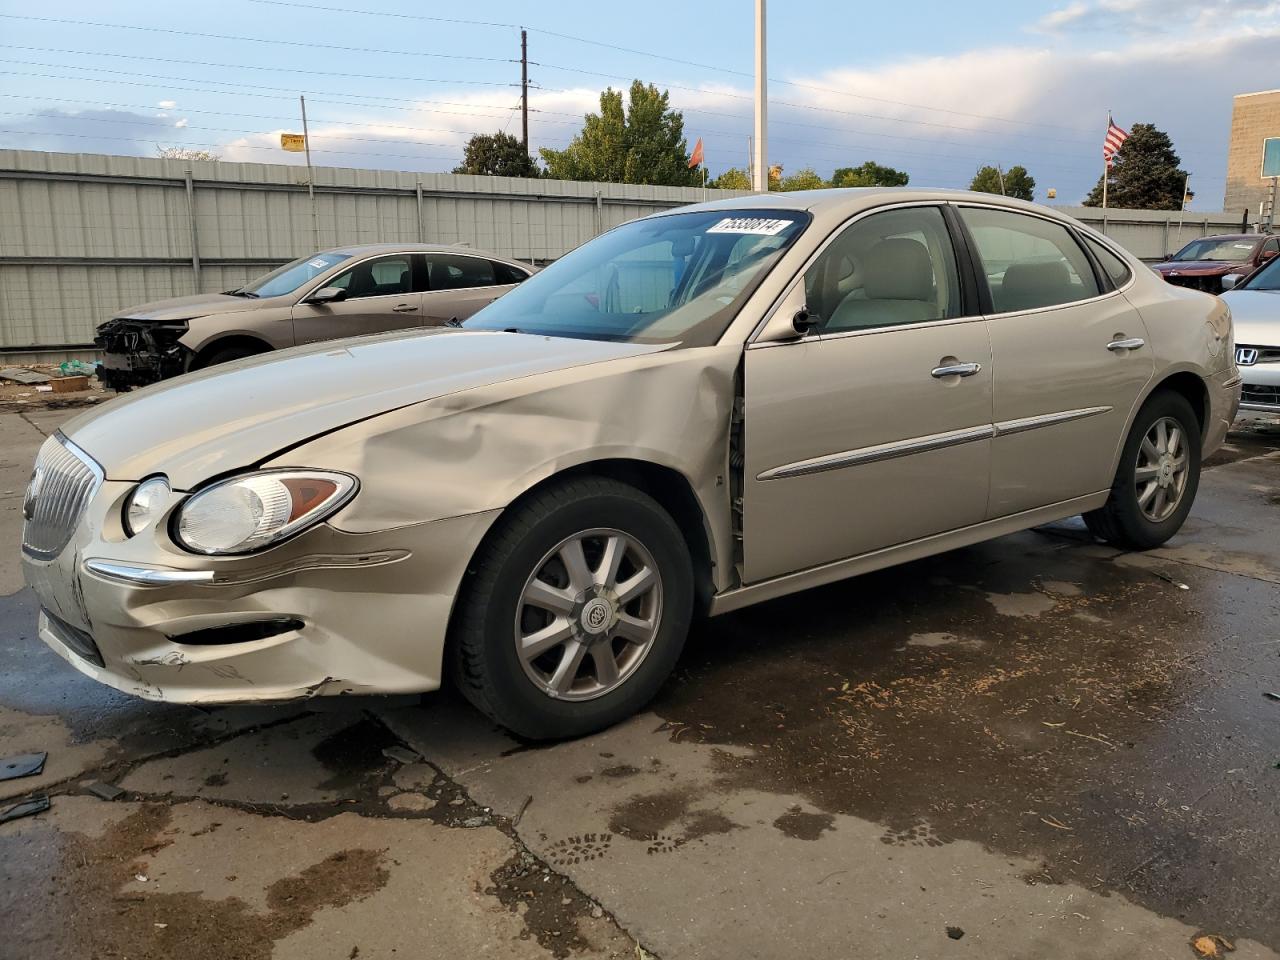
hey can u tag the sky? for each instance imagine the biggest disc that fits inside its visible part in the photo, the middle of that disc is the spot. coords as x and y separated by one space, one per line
935 89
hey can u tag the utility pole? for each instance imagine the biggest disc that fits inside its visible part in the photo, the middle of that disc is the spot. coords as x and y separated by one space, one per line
1000 174
524 88
311 177
760 157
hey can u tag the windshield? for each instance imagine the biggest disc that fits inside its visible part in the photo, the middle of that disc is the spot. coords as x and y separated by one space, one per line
1268 278
1226 251
291 276
675 278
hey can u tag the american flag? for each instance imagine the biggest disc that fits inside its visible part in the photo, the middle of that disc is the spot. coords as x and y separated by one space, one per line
1111 143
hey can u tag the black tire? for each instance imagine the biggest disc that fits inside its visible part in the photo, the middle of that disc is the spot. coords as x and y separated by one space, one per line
1121 521
227 354
485 662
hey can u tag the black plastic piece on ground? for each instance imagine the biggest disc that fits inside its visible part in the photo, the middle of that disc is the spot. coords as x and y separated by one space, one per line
22 765
28 806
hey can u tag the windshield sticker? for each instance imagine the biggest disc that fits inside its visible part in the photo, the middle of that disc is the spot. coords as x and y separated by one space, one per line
759 226
317 263
1244 246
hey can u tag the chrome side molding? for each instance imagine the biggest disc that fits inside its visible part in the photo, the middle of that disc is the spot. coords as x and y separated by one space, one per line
935 441
139 576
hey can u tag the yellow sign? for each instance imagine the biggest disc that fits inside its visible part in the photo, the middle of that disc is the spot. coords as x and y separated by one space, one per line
293 142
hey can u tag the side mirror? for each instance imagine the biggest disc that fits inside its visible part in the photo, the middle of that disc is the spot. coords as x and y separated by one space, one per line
327 295
1231 279
803 321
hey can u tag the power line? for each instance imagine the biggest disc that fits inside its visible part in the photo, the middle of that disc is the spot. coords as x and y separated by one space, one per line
659 56
243 39
251 66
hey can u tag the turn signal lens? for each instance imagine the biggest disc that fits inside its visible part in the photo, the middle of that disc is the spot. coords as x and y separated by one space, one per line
252 512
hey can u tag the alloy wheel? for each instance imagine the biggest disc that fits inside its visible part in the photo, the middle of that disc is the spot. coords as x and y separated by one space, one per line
1161 474
588 614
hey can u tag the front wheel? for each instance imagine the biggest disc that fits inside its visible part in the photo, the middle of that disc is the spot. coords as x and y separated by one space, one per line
1158 476
576 610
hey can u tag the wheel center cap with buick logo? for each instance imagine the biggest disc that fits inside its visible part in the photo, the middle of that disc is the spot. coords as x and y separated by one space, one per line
596 615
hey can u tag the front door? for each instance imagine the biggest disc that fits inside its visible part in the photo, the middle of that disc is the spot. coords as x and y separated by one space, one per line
877 430
381 295
1072 357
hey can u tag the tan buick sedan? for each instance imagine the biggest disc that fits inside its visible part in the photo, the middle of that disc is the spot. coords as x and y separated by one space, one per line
325 296
694 412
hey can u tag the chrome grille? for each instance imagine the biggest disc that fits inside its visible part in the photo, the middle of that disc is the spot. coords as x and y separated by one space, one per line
64 481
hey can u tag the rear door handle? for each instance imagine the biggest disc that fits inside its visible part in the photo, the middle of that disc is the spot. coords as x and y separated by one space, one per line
1132 343
955 370
404 308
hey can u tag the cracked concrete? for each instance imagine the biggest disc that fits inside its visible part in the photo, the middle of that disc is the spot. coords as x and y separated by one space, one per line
1042 745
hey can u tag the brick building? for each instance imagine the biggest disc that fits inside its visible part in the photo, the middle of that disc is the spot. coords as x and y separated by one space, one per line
1254 117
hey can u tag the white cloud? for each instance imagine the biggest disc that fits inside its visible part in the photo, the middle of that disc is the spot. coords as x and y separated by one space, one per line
167 104
1146 17
181 123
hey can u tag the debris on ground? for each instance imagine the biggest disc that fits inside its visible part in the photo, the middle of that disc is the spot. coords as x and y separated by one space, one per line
26 807
22 765
106 791
401 754
955 933
20 375
69 384
1271 696
1212 945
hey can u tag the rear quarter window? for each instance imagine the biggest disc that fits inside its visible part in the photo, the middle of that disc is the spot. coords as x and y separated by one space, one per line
1112 266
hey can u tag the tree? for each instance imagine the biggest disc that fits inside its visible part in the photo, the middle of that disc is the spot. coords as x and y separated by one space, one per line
185 153
497 155
806 179
1144 175
642 144
870 174
1015 182
732 179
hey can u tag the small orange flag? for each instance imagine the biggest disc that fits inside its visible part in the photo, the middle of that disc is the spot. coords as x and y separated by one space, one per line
696 158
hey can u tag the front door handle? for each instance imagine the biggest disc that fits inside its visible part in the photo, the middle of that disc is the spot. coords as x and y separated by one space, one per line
1131 343
404 308
955 370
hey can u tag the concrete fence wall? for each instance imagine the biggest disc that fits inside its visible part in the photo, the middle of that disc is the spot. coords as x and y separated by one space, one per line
85 235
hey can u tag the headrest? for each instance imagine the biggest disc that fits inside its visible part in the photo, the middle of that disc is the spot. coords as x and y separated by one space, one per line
898 269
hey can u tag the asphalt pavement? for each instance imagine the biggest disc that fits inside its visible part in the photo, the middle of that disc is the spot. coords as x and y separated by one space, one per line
1034 747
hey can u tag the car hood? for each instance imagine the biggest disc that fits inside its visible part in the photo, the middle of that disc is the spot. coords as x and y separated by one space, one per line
1198 266
232 417
199 305
1255 314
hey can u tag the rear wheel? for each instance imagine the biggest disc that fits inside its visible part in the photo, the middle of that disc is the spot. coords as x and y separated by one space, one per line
1158 476
576 611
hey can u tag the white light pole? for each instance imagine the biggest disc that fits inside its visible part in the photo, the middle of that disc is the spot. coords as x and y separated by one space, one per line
760 159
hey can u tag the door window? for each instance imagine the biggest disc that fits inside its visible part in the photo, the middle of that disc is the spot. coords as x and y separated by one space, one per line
1029 263
447 271
383 277
1112 265
885 270
504 273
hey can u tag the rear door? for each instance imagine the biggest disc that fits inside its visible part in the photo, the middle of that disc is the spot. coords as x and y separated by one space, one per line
876 431
460 284
382 295
1070 354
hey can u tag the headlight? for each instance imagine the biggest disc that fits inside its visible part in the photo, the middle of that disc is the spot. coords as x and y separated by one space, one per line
145 504
259 509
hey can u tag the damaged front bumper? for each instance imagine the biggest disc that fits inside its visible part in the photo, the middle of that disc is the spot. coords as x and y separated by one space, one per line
138 352
329 612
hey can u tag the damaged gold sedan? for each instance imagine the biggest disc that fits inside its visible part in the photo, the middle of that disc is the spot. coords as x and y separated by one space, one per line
694 412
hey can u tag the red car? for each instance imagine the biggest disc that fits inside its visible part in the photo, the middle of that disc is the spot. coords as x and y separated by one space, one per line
1203 263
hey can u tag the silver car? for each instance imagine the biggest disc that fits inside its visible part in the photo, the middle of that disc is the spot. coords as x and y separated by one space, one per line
344 292
1255 308
694 412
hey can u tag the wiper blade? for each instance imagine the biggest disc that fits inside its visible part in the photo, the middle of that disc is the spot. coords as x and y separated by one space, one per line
242 293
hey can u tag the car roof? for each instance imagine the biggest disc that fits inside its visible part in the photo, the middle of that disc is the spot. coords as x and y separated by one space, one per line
364 249
846 201
1231 236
